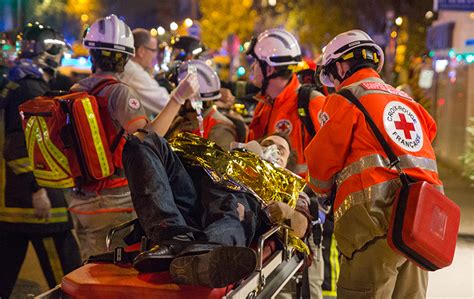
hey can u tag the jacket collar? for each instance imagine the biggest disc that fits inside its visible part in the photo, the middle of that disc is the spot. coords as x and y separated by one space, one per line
358 76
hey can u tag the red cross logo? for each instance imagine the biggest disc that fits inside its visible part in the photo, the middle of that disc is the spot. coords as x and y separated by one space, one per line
284 126
405 126
134 103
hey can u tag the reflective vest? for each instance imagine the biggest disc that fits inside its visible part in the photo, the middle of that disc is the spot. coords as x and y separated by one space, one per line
282 116
17 182
346 152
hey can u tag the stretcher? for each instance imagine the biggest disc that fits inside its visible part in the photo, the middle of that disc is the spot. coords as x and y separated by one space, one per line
276 265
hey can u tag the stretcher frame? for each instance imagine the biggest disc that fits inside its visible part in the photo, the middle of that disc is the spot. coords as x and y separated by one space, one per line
265 282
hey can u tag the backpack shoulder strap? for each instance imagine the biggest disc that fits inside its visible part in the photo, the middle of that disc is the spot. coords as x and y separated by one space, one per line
304 96
94 91
102 84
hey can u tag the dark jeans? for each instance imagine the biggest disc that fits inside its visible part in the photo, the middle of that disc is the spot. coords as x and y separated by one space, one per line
171 199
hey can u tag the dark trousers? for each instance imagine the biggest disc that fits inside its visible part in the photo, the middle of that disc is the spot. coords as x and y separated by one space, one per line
171 199
58 254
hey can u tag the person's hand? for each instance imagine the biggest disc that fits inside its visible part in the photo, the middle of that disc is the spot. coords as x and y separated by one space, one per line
278 211
186 89
226 100
41 204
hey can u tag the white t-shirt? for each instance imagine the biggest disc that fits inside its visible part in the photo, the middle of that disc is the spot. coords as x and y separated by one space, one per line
153 97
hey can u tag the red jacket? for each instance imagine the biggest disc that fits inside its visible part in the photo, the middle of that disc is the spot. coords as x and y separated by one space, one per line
282 116
346 152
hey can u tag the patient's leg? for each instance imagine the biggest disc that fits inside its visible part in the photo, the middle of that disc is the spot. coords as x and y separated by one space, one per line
221 219
161 189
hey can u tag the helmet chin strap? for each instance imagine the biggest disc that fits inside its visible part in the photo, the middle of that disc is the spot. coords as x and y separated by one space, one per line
266 78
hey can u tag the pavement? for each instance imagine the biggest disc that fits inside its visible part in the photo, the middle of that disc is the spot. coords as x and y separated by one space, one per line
454 282
457 281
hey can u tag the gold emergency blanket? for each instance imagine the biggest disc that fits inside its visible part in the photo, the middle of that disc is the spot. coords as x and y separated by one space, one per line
242 171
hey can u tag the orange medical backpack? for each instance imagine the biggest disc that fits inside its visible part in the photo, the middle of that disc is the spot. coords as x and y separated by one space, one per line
66 140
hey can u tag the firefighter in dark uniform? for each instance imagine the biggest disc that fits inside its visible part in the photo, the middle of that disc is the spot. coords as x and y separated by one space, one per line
28 212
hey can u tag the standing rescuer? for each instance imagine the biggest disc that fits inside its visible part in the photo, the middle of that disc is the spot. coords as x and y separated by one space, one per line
275 52
28 212
346 153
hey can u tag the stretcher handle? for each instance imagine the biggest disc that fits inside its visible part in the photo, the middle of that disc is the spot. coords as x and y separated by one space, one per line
113 230
261 242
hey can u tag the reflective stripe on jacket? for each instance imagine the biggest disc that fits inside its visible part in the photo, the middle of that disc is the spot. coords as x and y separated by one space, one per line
346 152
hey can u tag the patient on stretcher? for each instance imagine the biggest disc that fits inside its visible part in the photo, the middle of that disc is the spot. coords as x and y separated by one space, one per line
203 206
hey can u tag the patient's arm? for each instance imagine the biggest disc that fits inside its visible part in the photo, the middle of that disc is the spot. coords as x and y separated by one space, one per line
299 217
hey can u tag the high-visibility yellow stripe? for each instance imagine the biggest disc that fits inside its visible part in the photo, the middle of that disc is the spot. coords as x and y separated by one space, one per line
28 128
21 165
334 266
329 294
26 215
58 155
54 260
334 261
56 172
99 146
31 211
61 184
57 177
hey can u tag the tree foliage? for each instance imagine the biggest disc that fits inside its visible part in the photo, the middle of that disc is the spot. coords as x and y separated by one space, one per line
64 15
220 18
468 157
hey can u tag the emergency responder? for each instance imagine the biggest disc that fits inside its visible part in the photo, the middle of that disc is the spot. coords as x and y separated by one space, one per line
99 207
346 152
215 126
274 51
138 70
29 212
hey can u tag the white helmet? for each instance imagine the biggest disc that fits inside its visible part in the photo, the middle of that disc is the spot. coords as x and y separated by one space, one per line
343 45
209 83
276 47
110 33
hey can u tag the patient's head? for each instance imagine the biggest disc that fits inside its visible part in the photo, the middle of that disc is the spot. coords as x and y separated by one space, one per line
278 148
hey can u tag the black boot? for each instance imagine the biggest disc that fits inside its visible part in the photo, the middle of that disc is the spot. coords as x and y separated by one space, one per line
157 259
216 269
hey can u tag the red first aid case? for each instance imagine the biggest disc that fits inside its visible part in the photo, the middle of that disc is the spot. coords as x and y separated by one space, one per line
424 226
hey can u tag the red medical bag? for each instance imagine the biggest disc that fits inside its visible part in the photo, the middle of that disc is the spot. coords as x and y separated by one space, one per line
424 226
66 140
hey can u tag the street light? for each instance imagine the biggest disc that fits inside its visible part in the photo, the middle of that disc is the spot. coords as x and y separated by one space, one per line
272 2
188 22
84 17
429 14
161 30
399 21
173 26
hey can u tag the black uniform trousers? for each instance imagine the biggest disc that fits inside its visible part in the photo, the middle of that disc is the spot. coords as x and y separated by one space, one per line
58 254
